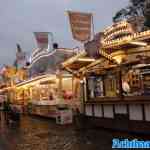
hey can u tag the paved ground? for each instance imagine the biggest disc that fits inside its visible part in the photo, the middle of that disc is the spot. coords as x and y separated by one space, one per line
35 133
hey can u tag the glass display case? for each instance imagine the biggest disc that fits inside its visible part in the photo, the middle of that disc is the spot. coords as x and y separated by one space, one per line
145 77
95 86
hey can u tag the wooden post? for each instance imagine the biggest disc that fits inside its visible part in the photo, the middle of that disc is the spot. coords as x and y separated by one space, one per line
93 26
60 78
23 109
84 93
31 94
120 81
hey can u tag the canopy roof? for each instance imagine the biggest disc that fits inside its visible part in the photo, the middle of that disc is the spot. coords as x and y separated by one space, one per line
74 63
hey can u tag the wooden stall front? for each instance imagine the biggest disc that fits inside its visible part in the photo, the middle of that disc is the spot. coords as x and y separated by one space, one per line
117 84
118 92
73 65
45 93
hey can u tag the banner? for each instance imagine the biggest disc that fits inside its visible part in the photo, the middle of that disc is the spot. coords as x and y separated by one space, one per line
80 25
42 39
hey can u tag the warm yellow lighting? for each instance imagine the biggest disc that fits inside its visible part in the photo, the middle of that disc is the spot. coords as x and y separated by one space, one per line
139 43
36 81
118 59
73 59
86 59
7 88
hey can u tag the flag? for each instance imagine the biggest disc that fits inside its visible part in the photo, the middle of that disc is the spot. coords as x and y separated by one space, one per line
42 39
80 24
20 57
2 71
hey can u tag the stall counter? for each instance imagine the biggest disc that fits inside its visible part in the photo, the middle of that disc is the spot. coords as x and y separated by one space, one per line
48 109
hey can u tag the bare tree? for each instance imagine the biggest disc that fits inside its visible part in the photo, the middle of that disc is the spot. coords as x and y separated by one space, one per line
136 8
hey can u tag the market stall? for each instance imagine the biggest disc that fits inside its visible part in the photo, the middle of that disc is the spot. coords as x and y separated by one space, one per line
117 83
43 94
73 65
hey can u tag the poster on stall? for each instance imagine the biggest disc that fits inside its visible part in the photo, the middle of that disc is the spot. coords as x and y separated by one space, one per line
146 82
80 24
42 39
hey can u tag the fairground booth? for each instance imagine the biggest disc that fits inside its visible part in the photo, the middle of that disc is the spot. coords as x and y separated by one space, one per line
116 85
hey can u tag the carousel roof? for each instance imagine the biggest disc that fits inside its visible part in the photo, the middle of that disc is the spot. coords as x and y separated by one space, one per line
130 41
50 61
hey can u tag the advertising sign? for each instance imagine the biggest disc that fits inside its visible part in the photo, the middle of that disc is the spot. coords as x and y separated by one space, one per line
80 25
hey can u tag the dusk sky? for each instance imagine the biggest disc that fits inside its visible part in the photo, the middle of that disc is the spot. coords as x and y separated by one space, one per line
20 18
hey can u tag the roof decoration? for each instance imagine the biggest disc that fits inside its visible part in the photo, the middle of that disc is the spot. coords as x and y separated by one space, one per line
122 33
117 30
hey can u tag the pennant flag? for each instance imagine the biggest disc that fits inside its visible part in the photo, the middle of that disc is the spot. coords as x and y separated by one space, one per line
20 57
2 71
42 39
80 25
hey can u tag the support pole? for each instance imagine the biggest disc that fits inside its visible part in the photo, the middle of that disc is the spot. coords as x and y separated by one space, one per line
93 26
120 81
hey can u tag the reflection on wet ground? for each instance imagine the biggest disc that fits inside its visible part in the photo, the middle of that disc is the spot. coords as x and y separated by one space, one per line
36 133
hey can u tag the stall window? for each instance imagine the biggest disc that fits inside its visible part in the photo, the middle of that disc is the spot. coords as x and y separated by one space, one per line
145 77
95 86
110 83
36 93
131 82
67 88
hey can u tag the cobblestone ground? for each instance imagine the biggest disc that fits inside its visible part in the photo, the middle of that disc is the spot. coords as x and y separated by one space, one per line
35 133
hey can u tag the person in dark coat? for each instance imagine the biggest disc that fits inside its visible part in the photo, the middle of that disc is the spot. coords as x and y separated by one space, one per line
14 114
6 109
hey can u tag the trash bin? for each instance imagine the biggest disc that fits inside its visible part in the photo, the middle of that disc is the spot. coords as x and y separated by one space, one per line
64 116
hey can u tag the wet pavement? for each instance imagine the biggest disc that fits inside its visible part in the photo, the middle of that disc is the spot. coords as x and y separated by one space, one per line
35 133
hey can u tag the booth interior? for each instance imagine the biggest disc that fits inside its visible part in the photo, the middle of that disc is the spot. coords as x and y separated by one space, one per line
44 94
